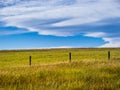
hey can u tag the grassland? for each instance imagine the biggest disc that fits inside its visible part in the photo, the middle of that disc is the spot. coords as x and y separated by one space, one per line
90 69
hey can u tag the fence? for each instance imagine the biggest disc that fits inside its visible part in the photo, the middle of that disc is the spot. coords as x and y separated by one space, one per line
70 57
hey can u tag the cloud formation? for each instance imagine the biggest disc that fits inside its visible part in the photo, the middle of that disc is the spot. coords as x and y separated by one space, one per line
93 18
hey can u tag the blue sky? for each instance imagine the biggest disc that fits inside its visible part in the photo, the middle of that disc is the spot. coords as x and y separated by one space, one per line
30 24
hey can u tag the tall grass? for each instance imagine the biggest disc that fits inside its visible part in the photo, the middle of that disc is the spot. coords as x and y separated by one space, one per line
96 73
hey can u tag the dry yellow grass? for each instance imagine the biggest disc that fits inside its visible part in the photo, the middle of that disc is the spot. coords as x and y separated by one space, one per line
80 74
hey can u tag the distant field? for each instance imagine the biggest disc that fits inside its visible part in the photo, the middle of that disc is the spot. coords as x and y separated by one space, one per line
90 69
50 56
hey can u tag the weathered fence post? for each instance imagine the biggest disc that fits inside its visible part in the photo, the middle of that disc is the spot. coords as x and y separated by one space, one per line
70 57
30 59
108 55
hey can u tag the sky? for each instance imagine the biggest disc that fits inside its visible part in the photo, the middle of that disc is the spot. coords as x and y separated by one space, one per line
34 24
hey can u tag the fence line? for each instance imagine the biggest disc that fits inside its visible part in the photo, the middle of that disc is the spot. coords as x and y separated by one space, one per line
108 55
30 59
70 57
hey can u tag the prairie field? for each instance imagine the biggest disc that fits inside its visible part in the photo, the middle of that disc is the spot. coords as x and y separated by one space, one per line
51 69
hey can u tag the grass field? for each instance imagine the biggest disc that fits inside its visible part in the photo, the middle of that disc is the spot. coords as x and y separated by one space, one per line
90 69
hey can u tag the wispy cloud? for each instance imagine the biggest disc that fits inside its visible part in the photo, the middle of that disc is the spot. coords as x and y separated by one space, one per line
95 34
11 30
64 17
111 42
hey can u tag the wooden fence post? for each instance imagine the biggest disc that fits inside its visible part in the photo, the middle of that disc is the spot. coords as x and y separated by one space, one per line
70 57
30 59
108 55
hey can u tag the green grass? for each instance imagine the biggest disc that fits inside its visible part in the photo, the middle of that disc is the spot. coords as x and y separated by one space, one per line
51 70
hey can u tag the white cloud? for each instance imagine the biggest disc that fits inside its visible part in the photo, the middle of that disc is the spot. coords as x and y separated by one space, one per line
59 47
95 34
13 32
42 15
8 2
111 42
